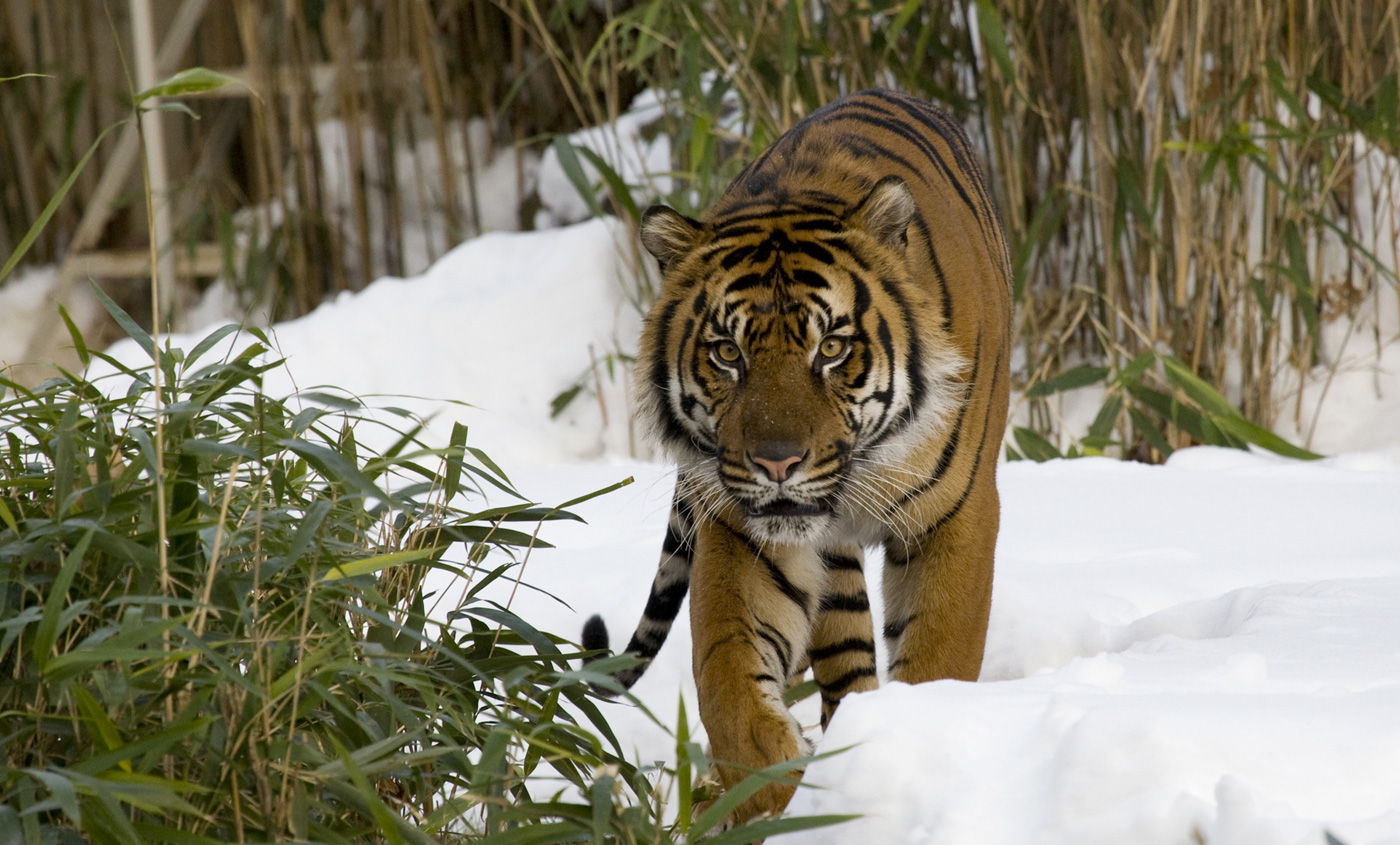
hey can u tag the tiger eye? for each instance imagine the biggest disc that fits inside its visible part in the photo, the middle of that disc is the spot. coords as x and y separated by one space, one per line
728 351
832 347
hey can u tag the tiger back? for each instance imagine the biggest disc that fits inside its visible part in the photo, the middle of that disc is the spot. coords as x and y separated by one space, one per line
827 362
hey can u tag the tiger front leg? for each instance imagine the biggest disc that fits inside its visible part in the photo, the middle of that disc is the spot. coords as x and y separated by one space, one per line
938 594
750 610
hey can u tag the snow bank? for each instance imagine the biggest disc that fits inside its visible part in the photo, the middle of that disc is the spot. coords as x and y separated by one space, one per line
505 322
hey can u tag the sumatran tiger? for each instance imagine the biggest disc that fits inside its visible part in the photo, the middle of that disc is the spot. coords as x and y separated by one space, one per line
827 362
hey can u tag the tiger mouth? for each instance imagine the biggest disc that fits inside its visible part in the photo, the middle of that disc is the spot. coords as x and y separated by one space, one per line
789 508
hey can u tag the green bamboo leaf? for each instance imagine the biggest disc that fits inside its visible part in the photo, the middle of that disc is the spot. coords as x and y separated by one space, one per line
47 631
334 466
901 20
1034 446
1150 432
1080 376
78 345
195 80
561 402
62 791
1107 418
595 494
1298 273
138 334
47 214
1134 369
368 565
463 533
96 716
801 691
568 160
764 828
684 775
600 797
1193 386
208 343
157 744
619 189
452 472
1259 436
994 37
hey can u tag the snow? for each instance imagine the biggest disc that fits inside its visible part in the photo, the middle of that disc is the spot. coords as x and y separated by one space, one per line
1202 651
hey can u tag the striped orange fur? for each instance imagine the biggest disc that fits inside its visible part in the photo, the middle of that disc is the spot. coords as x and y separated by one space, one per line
828 364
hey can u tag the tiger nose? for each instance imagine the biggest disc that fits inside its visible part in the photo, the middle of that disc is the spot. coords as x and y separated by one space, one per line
776 458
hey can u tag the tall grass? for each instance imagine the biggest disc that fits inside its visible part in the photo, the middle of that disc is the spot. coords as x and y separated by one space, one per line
1178 180
1210 183
422 95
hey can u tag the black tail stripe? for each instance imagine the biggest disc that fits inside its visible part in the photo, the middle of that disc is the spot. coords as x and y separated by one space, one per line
677 543
843 647
838 684
664 604
853 603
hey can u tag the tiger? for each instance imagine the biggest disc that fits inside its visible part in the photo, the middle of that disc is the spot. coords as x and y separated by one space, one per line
827 361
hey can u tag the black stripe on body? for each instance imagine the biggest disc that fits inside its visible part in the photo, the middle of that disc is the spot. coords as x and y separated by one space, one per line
782 647
976 465
796 594
834 561
952 134
950 449
894 629
906 124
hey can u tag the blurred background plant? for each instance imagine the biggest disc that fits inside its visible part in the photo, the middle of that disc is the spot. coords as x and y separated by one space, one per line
1212 184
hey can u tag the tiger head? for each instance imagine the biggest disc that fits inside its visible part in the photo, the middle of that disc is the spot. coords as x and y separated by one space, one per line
792 353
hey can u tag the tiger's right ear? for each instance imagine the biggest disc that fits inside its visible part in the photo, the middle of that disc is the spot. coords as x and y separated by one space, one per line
886 211
668 234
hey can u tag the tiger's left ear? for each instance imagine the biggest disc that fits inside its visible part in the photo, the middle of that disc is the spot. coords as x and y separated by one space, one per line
886 211
668 234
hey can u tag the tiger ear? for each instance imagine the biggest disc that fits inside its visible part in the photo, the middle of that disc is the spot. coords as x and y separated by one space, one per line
886 211
668 234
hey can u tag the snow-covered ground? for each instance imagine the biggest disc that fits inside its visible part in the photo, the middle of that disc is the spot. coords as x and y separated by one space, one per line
1207 651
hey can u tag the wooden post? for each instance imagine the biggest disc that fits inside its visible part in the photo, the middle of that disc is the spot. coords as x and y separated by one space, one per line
143 37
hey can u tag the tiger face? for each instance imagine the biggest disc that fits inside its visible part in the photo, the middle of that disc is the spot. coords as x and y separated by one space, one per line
784 358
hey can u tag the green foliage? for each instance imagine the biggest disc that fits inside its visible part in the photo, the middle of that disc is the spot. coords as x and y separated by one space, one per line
1165 403
214 626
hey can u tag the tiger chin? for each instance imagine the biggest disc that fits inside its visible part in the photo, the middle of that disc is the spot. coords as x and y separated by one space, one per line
827 361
